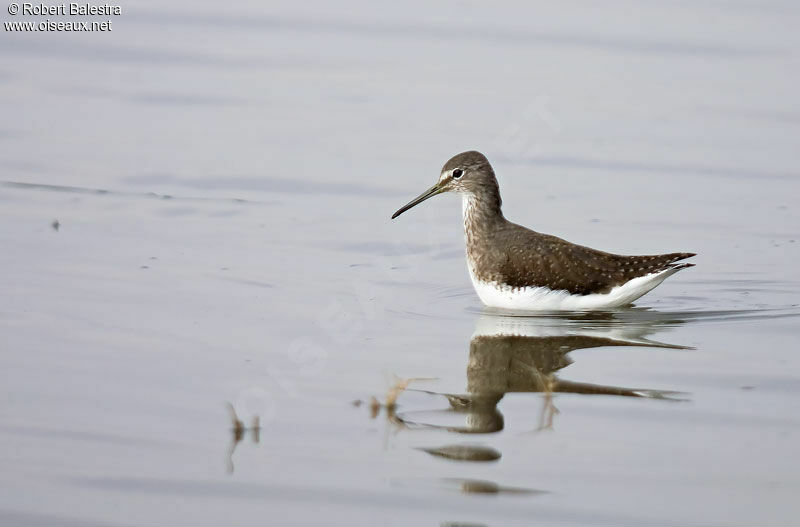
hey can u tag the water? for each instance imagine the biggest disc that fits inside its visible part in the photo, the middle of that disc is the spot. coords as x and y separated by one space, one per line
222 182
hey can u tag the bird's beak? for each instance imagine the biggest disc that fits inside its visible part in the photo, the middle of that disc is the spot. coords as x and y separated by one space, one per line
436 189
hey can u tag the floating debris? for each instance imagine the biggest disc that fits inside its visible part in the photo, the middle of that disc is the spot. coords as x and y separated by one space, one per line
55 225
465 452
238 427
374 407
399 386
255 429
390 404
238 431
479 486
466 486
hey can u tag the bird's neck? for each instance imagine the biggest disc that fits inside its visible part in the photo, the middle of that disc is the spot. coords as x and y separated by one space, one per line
482 215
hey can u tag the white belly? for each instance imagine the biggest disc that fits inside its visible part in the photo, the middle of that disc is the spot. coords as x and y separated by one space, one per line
545 299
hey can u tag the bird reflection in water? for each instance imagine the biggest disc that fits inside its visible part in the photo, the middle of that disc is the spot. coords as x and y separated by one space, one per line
514 354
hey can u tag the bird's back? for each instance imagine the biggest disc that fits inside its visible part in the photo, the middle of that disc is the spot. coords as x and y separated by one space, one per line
519 257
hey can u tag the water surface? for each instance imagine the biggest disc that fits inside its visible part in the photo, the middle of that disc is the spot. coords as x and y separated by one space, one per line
222 184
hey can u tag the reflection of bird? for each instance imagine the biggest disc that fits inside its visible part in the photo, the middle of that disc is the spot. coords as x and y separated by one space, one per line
522 354
516 268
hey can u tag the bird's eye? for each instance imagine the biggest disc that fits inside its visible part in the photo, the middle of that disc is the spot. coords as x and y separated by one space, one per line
457 173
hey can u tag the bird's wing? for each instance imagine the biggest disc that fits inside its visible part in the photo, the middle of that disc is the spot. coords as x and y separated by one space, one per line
548 261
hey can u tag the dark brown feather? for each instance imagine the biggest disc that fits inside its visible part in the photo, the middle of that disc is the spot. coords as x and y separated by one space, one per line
520 257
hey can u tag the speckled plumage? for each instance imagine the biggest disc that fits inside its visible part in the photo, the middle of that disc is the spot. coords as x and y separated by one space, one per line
504 252
519 262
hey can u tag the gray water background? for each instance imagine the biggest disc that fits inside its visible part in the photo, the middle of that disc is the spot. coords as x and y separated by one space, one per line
223 175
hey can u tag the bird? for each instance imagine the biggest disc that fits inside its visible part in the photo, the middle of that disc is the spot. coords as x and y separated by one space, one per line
513 267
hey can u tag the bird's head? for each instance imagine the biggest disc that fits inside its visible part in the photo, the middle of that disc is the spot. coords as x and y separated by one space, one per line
465 173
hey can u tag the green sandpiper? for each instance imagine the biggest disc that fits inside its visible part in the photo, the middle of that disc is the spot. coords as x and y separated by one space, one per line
513 267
